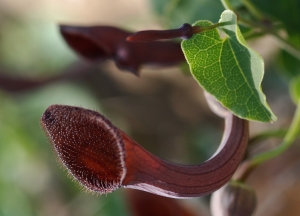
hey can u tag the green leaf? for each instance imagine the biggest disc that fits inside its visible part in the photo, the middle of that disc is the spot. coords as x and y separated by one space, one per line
229 69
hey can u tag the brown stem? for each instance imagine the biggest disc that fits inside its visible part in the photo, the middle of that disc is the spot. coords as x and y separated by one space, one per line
185 32
103 158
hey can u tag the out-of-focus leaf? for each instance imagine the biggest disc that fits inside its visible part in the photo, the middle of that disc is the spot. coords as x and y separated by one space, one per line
115 205
287 11
29 48
295 89
18 162
187 11
99 43
229 69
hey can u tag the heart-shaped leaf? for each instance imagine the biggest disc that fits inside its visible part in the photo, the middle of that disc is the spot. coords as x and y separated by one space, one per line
229 69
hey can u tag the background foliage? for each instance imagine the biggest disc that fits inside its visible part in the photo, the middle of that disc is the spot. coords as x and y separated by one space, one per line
31 182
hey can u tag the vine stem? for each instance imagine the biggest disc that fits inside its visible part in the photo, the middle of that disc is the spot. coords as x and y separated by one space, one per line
291 135
278 133
200 29
285 45
252 9
227 5
288 140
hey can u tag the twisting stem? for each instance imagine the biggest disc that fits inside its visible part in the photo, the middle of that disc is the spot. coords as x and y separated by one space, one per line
252 9
278 133
289 138
285 45
186 31
227 5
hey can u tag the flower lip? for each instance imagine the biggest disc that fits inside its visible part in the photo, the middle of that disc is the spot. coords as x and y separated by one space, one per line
98 164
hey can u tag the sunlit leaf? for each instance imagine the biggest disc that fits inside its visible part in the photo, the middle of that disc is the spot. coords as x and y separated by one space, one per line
229 69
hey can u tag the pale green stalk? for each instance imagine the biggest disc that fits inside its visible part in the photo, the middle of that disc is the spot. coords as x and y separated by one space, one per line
289 138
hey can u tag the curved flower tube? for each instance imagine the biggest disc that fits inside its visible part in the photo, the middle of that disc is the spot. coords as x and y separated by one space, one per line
103 158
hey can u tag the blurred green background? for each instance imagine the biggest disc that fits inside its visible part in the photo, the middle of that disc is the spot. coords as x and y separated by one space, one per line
163 109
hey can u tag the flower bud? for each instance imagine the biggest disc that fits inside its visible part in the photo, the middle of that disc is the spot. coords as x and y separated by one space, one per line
234 199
